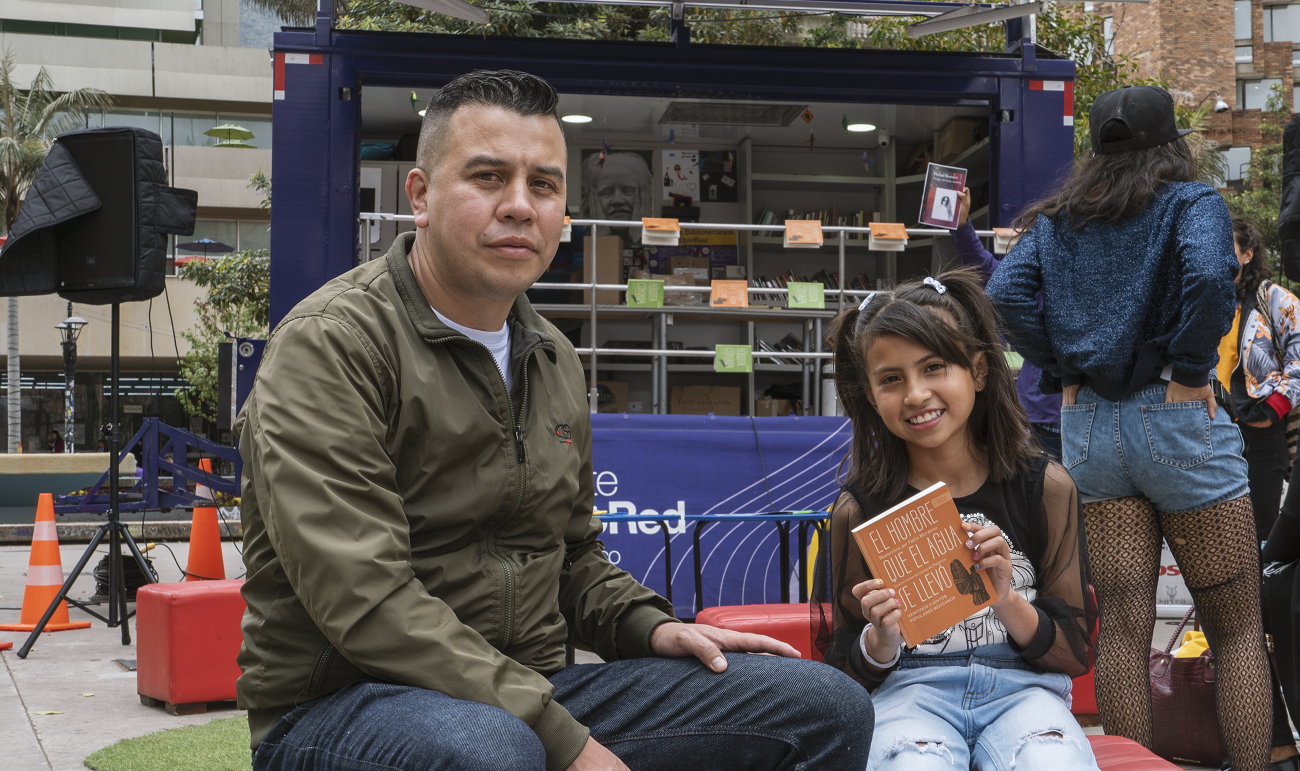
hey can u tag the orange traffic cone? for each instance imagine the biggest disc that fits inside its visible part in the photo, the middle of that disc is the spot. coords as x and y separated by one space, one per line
205 560
44 576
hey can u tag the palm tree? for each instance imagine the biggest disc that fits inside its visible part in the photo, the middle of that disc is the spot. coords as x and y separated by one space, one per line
29 120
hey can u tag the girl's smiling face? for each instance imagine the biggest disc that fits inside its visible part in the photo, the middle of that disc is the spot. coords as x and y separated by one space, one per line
922 399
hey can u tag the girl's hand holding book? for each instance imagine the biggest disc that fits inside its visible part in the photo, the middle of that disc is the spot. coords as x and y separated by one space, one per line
882 609
992 557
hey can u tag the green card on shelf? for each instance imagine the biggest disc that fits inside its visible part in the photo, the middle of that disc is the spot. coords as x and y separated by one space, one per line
806 295
733 358
645 293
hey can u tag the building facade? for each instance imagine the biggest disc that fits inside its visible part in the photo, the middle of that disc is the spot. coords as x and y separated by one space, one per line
1237 50
178 68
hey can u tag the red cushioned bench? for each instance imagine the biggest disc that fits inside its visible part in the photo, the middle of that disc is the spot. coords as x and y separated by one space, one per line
792 623
188 636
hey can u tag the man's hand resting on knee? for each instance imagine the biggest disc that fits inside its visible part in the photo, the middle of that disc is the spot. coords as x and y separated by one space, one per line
595 757
675 641
707 643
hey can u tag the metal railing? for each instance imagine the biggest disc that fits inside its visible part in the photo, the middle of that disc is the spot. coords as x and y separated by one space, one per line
658 353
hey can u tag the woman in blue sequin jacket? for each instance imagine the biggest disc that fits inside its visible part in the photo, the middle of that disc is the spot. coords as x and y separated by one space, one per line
1135 263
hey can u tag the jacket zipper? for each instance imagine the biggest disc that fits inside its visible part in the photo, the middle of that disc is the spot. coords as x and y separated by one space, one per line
508 630
318 672
518 430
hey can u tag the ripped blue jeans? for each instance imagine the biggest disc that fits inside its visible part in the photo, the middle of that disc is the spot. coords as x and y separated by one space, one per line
984 709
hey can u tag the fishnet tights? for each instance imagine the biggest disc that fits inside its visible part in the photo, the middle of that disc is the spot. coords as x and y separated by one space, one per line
1216 551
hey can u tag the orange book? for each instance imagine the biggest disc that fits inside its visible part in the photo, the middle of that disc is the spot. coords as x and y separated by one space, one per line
894 230
919 549
729 294
803 234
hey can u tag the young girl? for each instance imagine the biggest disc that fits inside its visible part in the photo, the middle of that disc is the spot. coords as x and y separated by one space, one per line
920 372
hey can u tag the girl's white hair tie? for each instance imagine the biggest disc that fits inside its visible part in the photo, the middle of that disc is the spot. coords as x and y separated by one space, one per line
866 302
934 282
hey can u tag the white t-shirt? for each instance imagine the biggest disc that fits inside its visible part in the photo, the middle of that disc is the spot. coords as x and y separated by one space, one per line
497 342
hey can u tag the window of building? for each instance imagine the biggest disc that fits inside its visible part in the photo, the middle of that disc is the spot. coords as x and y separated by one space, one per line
1238 161
254 235
184 128
1282 23
1245 54
1108 34
1241 19
222 231
1254 94
1295 57
238 235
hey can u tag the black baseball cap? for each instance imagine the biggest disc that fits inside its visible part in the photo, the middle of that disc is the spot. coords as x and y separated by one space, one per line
1147 111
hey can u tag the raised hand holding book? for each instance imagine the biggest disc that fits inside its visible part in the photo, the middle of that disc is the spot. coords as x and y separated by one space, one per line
918 548
939 199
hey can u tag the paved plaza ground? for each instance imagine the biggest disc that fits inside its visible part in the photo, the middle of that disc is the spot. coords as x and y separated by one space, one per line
65 668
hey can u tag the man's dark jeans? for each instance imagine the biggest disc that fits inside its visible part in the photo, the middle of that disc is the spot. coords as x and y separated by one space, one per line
764 712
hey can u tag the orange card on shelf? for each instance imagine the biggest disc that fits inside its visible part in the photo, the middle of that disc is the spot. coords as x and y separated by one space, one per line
888 230
887 236
803 234
729 294
660 231
660 223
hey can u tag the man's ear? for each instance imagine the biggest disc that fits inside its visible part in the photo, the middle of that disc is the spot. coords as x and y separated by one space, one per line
417 192
980 371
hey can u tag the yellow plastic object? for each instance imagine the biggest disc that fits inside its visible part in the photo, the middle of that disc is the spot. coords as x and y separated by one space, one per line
1194 644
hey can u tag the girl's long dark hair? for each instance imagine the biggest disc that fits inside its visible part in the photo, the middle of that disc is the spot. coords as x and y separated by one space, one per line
1109 188
1255 271
958 325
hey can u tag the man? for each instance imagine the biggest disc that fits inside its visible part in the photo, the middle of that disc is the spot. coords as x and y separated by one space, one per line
418 514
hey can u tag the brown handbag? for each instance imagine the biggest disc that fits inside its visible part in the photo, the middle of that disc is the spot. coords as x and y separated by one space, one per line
1184 719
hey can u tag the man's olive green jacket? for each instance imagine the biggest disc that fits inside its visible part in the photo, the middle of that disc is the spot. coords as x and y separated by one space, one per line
405 519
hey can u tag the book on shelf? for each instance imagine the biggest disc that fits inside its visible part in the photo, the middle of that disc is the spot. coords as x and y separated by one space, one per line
729 294
802 234
831 217
940 198
887 237
660 231
918 548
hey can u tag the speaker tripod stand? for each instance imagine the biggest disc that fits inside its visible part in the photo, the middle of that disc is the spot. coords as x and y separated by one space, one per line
114 530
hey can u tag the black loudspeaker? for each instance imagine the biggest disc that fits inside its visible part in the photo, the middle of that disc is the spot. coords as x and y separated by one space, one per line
94 222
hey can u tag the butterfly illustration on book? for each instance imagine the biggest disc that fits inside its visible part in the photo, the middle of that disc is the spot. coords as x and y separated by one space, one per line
971 583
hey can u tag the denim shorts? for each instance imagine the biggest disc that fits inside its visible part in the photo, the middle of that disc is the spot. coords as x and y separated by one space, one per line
1172 453
983 709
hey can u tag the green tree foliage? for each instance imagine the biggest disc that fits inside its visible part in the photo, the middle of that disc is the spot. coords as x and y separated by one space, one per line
580 22
1258 199
237 304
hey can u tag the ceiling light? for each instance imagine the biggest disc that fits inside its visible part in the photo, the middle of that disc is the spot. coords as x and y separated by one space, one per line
576 119
860 127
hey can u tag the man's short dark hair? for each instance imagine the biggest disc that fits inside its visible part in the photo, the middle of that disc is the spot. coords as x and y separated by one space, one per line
518 92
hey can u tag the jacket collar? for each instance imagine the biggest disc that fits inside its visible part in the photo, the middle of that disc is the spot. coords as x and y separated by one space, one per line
426 322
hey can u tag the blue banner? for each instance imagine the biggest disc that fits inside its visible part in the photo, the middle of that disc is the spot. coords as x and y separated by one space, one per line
703 464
